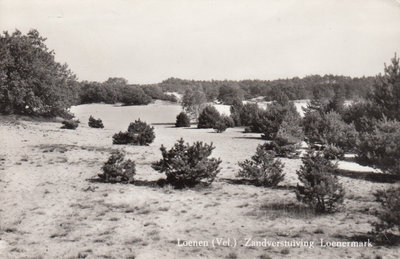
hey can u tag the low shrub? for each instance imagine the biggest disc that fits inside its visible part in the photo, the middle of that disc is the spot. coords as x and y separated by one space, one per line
117 169
182 120
208 117
263 168
389 215
188 165
220 126
70 124
320 189
139 133
93 123
282 150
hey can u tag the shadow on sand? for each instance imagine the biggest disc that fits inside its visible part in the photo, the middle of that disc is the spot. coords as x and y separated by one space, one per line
369 176
255 183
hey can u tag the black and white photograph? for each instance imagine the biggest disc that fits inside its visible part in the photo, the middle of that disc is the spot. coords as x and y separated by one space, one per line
174 129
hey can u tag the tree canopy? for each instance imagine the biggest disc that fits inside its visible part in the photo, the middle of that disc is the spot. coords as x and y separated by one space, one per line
31 81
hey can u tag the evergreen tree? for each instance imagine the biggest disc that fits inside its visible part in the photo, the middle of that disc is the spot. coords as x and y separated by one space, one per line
208 117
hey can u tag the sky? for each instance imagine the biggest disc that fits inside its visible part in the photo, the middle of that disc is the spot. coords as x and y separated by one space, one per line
149 41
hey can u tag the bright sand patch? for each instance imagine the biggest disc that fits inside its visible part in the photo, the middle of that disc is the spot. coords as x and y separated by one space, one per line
51 209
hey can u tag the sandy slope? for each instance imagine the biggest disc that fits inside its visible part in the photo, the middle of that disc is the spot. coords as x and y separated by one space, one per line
51 209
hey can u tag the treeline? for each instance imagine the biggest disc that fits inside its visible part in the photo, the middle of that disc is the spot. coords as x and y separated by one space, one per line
309 87
117 90
33 83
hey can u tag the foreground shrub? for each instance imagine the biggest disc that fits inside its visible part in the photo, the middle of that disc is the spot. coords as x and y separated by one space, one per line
116 169
70 124
282 150
320 189
139 133
263 168
208 117
188 165
93 123
381 147
182 120
389 215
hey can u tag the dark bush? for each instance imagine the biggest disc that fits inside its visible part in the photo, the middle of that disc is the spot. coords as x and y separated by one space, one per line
133 95
228 94
93 123
70 124
116 169
361 114
188 165
249 113
155 92
208 117
227 120
263 168
381 147
139 133
235 110
331 152
290 131
329 128
271 120
389 215
320 189
282 150
123 138
182 120
223 123
220 126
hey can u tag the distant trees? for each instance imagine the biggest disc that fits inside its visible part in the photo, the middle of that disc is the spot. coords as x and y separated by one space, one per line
230 93
31 81
193 101
295 88
113 90
155 92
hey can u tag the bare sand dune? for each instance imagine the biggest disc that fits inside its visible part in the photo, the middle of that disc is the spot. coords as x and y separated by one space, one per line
53 207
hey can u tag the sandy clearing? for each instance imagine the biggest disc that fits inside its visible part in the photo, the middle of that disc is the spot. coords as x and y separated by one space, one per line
51 209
